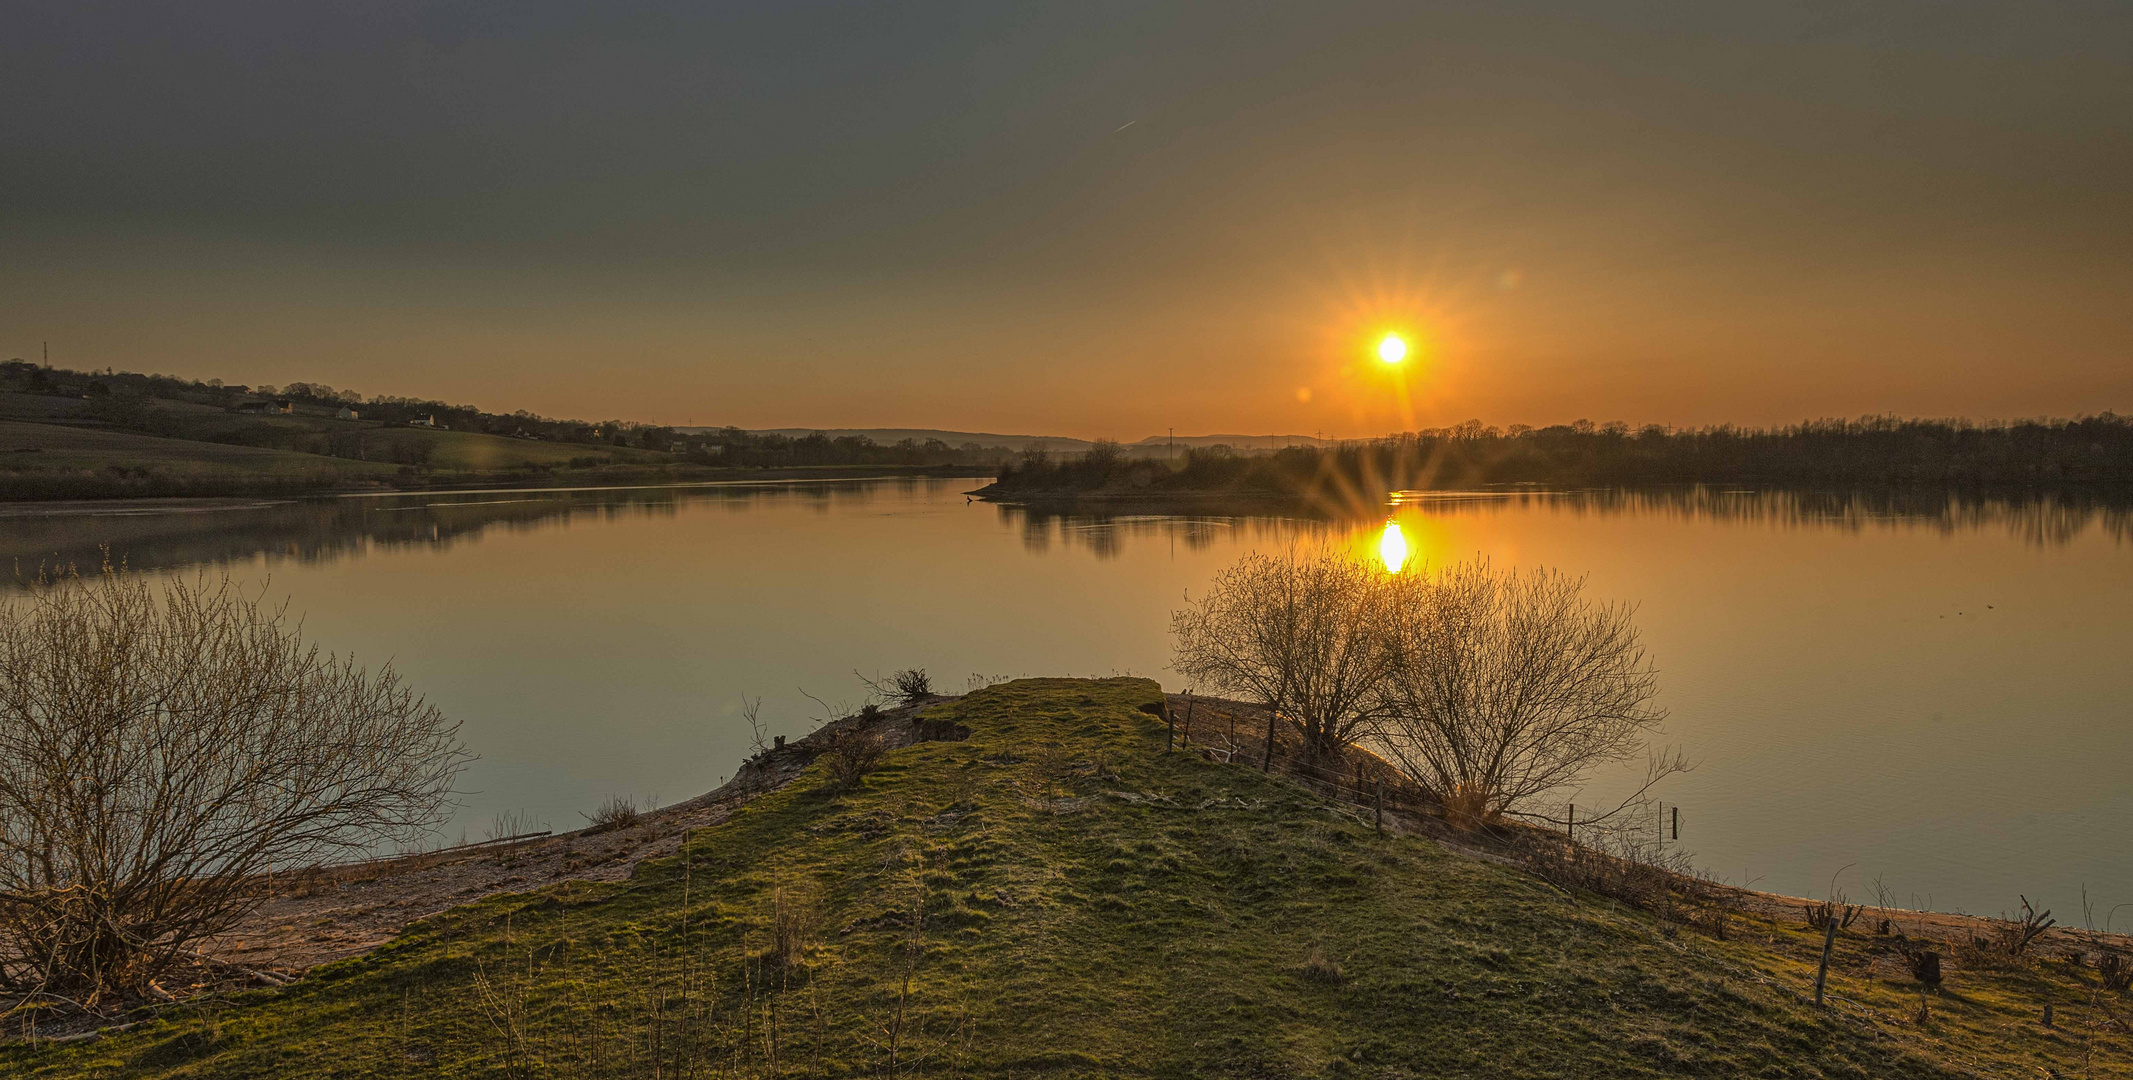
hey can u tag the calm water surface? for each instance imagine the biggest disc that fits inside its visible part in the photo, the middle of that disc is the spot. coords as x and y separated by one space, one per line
1938 694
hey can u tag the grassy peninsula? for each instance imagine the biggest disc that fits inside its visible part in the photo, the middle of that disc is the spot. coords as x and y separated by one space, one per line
1045 891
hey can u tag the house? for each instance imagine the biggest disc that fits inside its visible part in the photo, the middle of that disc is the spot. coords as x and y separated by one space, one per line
345 413
426 421
263 408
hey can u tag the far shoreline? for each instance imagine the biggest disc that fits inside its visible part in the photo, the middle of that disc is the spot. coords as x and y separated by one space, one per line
250 493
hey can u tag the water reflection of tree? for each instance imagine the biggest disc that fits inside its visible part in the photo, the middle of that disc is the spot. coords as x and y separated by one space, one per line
2037 520
315 531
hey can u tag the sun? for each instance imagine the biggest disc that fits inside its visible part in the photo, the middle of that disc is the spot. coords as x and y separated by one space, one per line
1392 349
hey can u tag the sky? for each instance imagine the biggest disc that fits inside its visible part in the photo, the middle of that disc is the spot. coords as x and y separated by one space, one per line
1086 219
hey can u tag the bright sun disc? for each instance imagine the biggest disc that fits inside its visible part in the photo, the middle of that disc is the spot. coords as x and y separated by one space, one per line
1391 349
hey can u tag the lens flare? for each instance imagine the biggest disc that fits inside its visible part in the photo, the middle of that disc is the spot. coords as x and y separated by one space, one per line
1392 548
1391 349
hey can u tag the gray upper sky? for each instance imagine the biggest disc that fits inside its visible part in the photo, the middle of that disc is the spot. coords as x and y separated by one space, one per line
1086 218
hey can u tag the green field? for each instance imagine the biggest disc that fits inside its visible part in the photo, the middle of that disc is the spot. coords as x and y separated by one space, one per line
35 456
1058 897
465 451
62 447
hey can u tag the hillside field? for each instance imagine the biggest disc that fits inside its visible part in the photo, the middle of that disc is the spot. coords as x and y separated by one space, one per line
1056 896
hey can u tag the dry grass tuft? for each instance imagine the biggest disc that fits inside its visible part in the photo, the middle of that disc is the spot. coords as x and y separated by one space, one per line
617 812
1320 967
795 926
852 754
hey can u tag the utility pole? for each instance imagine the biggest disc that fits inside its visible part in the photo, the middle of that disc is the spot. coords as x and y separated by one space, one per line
1171 450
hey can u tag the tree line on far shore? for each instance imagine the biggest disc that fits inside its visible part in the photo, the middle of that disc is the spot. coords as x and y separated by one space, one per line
129 401
1871 451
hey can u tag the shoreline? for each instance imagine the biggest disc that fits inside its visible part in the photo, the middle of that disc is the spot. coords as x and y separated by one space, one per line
334 913
399 912
266 494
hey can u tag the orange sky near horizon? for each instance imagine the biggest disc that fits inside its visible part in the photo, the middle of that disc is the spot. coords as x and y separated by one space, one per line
1087 223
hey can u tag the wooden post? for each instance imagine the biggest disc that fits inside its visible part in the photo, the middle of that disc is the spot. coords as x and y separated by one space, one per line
1378 800
1571 827
1266 764
1677 821
1829 939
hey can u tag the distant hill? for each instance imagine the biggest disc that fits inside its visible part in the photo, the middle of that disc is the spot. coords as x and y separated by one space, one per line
888 436
1241 442
891 436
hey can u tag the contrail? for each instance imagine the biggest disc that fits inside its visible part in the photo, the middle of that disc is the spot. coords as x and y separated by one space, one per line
1124 126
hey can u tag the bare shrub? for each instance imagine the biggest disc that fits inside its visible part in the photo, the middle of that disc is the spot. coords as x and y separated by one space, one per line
1819 916
1507 685
852 753
511 823
2015 937
162 750
1623 858
758 735
618 812
911 686
1297 633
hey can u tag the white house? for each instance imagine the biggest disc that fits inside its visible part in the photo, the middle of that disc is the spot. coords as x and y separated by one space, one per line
345 413
427 421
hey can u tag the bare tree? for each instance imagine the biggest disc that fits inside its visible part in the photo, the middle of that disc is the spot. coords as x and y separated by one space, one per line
161 751
1297 633
1508 685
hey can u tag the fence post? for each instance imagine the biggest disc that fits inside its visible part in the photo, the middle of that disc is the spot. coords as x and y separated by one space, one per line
1677 821
1829 938
1570 827
1266 764
1378 800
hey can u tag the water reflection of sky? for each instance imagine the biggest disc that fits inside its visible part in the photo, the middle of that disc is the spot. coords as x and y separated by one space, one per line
1931 688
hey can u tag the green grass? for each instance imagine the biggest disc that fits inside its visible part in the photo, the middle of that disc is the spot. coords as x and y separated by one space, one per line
199 451
467 451
1092 907
32 449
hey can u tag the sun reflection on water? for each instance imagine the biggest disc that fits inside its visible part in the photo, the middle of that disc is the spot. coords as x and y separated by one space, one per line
1392 547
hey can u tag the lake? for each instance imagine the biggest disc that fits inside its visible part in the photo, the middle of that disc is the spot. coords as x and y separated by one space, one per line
1933 691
